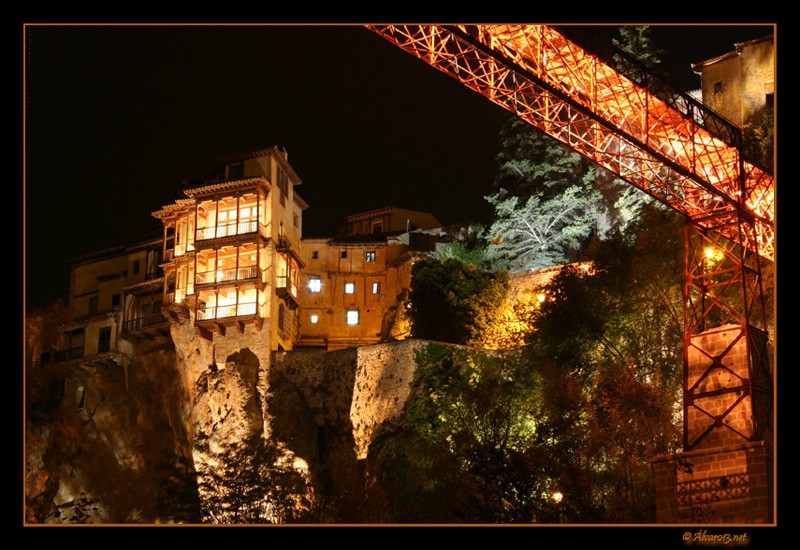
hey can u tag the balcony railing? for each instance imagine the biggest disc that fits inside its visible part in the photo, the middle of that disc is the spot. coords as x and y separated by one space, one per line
285 284
146 321
226 311
230 274
226 230
67 354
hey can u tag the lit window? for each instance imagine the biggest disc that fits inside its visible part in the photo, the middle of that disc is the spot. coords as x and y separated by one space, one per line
376 287
371 256
352 317
349 288
314 318
314 284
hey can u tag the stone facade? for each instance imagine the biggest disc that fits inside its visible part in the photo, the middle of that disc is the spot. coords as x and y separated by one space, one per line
740 84
734 485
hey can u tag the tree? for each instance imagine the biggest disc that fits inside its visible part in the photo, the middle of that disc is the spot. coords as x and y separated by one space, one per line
540 232
759 139
251 484
463 452
637 41
613 342
454 302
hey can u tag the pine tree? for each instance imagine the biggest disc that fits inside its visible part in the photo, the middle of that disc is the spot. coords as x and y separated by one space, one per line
545 207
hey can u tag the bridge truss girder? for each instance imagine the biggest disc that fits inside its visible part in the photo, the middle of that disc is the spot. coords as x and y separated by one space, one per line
616 113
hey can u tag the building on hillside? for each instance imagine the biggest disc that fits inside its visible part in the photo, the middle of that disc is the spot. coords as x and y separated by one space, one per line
231 249
353 284
390 220
114 295
740 84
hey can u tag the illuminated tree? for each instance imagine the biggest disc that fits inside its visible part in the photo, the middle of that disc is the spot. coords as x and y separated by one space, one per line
250 484
541 232
464 451
759 139
613 343
454 302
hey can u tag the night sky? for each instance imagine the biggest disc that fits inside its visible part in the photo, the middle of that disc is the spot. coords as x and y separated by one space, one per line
117 116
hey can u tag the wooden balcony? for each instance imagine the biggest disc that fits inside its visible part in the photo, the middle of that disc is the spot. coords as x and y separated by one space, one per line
286 289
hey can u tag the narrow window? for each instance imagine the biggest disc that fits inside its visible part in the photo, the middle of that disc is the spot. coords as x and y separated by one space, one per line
314 284
104 340
343 254
352 317
135 267
93 304
349 288
370 257
236 171
115 300
281 316
376 288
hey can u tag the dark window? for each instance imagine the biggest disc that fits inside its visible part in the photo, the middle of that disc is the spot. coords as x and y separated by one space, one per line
281 316
93 304
717 87
343 254
283 185
315 255
236 171
135 267
115 300
104 340
377 227
770 100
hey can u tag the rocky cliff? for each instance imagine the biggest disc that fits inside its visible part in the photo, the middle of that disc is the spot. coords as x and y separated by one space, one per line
193 430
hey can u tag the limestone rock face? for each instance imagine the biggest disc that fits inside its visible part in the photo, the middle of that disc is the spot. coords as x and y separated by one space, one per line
117 445
194 429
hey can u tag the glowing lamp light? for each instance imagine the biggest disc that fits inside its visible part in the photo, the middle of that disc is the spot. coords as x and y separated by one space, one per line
557 497
540 298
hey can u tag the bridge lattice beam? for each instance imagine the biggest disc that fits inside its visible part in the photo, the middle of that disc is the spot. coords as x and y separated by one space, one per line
664 143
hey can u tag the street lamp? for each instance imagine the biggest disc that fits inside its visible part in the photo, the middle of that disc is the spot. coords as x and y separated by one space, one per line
557 497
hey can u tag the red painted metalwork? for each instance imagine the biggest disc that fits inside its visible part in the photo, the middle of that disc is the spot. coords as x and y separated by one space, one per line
607 107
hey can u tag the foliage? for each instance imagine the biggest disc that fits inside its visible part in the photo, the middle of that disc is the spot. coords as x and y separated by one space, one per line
487 438
464 450
637 40
468 248
540 232
759 139
618 333
250 484
454 302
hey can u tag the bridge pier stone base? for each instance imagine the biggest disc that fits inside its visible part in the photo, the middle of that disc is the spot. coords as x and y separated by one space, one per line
716 486
725 473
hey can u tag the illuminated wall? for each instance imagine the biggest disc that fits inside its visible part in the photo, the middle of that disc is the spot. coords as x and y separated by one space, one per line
740 84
